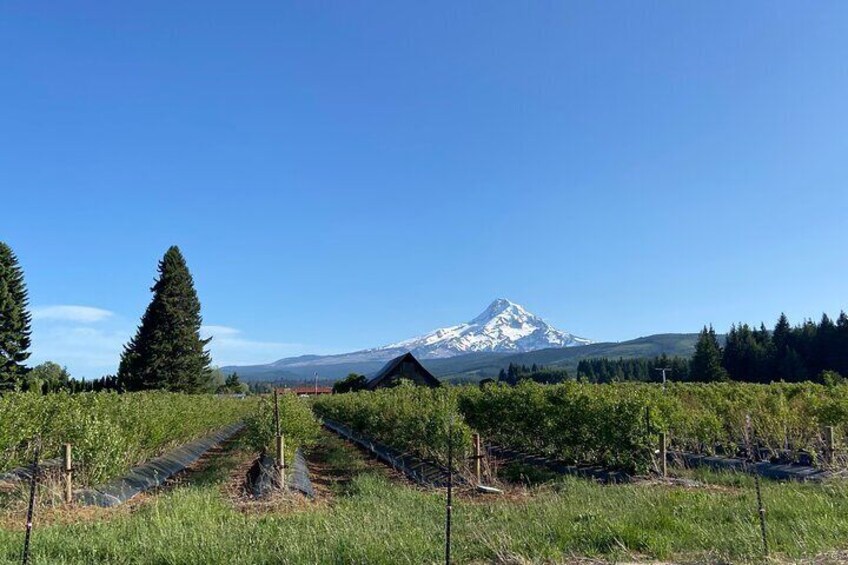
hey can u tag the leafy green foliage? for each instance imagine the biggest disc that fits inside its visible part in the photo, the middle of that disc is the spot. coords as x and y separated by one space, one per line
48 377
608 424
14 320
297 424
579 423
409 418
351 383
110 432
167 351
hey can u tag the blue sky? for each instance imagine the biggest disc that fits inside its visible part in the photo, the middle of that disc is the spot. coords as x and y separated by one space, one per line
341 175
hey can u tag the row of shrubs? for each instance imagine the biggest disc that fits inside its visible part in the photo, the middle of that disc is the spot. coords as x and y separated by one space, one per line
109 432
613 425
298 424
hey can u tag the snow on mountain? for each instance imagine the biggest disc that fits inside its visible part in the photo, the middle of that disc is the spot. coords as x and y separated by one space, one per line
503 327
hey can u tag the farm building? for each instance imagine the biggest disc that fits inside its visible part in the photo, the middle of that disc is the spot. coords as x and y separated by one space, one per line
404 367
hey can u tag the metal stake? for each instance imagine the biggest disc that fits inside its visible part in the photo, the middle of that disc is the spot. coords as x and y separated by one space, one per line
449 507
760 507
31 509
663 370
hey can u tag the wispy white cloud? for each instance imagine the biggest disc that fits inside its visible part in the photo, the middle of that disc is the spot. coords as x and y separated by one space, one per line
87 351
229 347
71 313
89 341
217 331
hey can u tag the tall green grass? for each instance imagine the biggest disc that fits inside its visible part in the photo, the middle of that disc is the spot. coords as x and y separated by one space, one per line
381 522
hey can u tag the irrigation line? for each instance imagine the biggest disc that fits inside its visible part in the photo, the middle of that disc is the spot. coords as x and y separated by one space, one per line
424 472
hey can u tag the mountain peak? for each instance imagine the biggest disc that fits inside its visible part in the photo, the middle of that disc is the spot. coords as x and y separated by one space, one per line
496 308
503 326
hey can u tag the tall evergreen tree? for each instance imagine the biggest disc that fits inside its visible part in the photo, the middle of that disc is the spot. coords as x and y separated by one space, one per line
14 319
167 351
841 344
706 362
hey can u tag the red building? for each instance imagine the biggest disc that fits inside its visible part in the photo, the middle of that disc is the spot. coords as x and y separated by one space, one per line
309 390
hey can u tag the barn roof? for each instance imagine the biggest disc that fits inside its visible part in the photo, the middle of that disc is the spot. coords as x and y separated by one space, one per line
389 368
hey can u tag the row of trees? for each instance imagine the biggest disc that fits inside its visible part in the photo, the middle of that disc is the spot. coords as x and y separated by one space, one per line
604 370
810 351
806 352
166 352
515 373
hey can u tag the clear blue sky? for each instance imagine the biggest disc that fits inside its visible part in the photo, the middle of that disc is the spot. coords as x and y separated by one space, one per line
344 174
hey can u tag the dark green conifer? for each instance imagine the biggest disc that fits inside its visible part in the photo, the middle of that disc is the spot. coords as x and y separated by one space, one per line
706 362
167 351
14 320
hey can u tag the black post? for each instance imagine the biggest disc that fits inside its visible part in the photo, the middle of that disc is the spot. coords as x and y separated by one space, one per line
648 418
449 508
755 457
762 511
31 509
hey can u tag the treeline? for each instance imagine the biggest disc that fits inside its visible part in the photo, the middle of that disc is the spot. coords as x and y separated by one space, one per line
515 373
810 351
604 370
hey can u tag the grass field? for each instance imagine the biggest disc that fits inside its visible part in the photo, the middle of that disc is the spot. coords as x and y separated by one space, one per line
366 516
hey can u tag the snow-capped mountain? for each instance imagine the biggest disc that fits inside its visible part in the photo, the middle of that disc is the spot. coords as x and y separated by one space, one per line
503 327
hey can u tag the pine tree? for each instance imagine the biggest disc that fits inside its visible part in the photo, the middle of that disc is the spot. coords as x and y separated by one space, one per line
167 351
705 365
14 319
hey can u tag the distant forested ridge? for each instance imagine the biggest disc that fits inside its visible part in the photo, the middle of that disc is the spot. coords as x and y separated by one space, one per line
809 351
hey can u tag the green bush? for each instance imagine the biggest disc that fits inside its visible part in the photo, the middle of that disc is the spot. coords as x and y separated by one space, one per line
110 432
410 418
297 424
607 424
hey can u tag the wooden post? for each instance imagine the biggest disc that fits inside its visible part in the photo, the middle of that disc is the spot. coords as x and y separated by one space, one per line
280 443
276 413
281 461
830 441
478 456
69 471
663 455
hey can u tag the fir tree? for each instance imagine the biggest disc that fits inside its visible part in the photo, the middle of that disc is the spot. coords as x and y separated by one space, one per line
167 351
14 319
706 362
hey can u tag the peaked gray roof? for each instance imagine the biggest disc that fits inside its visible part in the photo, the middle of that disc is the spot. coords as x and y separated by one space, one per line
389 368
